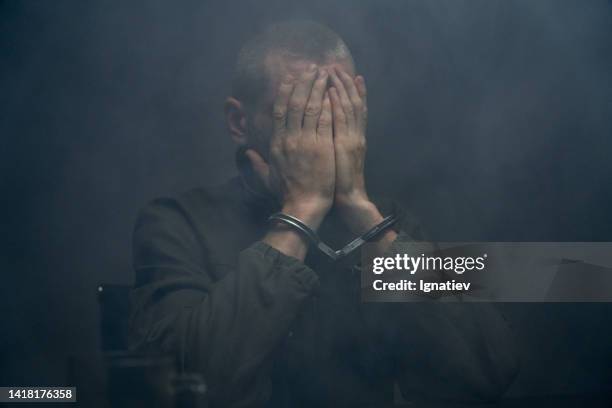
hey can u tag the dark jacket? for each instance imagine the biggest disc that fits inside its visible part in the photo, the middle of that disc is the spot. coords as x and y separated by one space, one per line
268 330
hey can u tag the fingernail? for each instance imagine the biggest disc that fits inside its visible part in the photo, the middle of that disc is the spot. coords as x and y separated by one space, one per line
312 67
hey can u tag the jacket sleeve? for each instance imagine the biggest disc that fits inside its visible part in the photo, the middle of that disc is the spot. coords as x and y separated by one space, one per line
227 329
445 349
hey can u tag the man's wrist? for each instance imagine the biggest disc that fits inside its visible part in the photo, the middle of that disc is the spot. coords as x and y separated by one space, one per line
311 214
287 240
359 215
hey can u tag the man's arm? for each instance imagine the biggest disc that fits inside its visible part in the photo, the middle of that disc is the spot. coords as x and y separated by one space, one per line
455 351
458 351
228 328
445 350
349 107
301 169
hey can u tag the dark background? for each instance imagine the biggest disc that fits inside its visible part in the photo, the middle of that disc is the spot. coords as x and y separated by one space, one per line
492 120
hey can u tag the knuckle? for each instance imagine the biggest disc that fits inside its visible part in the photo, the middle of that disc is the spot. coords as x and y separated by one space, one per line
296 105
312 110
325 121
275 150
290 145
279 113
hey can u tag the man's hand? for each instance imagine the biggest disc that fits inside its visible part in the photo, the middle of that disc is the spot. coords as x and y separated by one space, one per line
349 107
301 168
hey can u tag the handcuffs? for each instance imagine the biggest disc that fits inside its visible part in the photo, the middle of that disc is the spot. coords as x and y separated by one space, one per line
313 237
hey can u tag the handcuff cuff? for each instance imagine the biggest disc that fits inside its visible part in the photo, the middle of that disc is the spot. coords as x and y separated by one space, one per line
313 237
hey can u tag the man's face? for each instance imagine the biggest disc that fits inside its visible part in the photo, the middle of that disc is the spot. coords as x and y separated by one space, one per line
278 66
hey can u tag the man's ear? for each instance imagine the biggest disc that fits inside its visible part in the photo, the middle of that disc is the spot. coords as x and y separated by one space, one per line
236 120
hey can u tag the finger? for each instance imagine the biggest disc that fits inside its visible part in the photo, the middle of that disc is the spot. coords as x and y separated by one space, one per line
361 88
279 111
339 118
314 105
299 98
344 98
359 110
351 90
259 165
325 122
363 93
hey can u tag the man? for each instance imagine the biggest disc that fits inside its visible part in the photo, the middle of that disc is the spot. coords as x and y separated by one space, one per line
268 320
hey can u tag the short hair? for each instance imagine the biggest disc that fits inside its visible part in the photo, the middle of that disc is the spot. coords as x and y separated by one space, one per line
298 39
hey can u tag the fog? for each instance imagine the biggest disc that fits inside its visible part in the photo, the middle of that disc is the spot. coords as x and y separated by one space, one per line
490 120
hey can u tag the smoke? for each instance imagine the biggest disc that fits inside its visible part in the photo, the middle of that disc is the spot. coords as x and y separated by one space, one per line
491 120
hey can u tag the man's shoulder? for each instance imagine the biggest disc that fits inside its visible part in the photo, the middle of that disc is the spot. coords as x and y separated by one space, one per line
194 204
202 223
211 195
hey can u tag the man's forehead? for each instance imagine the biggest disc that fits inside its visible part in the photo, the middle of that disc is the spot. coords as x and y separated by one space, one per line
278 66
